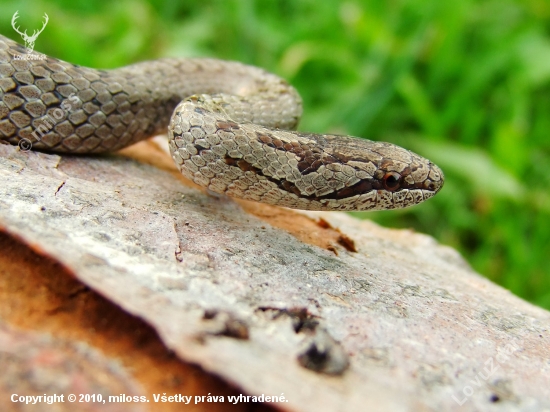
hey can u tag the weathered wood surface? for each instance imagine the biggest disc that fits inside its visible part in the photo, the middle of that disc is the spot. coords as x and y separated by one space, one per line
336 314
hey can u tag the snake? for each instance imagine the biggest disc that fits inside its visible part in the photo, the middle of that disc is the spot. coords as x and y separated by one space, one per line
231 128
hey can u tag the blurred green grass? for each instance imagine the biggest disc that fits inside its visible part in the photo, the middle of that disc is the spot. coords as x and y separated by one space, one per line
466 84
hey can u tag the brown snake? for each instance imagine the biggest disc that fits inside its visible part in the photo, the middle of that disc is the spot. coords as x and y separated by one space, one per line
232 131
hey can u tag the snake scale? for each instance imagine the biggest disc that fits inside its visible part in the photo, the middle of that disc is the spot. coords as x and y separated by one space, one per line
230 128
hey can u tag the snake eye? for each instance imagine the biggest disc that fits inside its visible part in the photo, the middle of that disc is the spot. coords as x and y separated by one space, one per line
391 181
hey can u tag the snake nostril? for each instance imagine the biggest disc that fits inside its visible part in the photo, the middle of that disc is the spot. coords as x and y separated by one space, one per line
391 181
428 184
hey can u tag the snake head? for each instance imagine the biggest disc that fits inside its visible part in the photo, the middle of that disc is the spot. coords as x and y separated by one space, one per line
386 176
295 169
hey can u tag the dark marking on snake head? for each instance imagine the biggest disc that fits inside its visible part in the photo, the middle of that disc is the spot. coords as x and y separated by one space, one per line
361 187
283 184
311 158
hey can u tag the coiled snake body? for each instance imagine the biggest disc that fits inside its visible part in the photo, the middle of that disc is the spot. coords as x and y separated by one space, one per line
229 127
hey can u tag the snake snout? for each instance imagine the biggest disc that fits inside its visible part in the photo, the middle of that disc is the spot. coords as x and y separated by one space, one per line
435 179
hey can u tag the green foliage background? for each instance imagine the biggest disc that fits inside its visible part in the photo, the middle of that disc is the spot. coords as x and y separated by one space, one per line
465 83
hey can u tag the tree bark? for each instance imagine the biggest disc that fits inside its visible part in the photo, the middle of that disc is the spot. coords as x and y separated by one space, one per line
320 310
